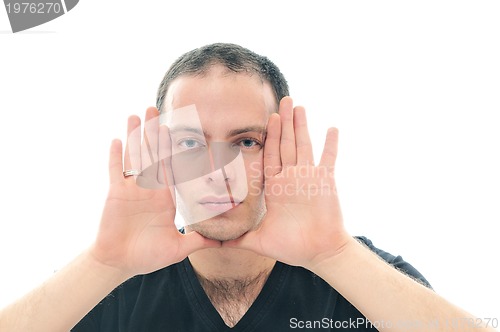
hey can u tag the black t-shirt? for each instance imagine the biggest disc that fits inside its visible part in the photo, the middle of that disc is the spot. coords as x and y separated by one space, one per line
173 300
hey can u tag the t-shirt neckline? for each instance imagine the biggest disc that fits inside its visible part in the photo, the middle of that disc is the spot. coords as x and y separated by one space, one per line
255 314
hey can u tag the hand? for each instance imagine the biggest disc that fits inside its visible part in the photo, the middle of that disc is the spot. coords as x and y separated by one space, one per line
303 224
137 233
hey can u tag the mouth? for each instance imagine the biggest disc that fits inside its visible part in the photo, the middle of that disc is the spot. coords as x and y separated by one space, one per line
219 203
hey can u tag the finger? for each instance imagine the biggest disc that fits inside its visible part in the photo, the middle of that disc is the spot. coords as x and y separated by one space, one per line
288 150
302 139
115 162
133 148
149 148
272 159
329 155
164 174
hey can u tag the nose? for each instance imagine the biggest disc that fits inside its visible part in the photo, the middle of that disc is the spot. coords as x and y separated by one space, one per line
221 156
217 164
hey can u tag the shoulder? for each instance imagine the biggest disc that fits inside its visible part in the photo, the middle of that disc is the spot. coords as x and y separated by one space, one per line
118 306
396 261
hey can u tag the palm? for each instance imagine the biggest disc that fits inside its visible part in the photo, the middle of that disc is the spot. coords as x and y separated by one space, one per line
137 227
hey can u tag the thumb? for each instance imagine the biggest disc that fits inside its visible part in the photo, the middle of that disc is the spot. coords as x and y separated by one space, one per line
249 241
193 241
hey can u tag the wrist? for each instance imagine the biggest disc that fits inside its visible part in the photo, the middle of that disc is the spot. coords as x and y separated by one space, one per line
335 261
106 269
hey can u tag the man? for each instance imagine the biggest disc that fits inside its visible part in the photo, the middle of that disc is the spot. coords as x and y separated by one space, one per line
263 245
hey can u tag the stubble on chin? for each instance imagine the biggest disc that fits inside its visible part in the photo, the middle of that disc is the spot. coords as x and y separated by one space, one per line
220 228
223 228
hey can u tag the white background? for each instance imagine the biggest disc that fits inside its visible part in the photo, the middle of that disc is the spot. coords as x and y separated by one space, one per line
414 88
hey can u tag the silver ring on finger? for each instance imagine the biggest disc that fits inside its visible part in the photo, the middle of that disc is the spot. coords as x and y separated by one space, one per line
131 172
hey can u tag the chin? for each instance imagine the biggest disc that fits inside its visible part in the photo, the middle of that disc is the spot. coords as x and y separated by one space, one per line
220 237
219 229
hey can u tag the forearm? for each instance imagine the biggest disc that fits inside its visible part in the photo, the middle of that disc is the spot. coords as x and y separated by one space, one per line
63 300
387 297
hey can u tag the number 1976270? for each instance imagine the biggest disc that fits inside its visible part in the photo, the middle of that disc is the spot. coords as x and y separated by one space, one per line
34 8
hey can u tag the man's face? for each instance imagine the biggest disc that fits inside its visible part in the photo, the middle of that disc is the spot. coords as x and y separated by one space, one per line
217 123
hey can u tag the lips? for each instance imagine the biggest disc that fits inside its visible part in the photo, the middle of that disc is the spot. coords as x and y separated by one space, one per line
219 203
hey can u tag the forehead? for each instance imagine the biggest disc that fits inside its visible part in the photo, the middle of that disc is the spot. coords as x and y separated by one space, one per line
225 98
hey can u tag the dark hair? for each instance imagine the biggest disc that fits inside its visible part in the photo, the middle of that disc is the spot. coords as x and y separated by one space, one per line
234 57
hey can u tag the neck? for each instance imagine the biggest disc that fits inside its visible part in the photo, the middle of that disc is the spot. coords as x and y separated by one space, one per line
231 278
230 264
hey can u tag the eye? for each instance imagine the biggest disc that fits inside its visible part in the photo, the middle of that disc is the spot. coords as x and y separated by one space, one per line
190 143
249 143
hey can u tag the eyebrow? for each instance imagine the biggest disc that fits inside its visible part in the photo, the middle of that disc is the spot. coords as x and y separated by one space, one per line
249 129
231 133
177 129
